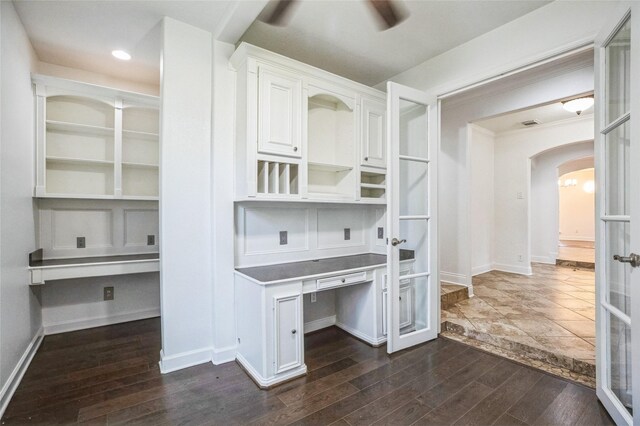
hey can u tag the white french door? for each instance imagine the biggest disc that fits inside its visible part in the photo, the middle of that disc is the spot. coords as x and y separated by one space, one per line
618 210
413 301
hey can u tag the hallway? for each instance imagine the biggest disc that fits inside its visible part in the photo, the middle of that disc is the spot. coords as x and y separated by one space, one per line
546 320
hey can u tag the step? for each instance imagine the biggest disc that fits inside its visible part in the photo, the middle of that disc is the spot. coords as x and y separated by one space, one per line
576 264
450 294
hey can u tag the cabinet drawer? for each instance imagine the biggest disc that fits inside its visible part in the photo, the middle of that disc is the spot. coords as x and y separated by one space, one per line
341 280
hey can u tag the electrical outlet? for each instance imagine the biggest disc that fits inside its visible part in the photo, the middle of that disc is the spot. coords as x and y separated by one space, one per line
108 293
347 234
520 196
283 238
80 242
151 240
520 258
314 297
380 232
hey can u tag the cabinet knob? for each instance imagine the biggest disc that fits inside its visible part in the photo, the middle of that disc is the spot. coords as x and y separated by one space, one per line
295 149
344 280
366 158
400 298
294 331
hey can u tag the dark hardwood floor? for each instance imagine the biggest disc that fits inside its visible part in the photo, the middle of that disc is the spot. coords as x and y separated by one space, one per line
110 375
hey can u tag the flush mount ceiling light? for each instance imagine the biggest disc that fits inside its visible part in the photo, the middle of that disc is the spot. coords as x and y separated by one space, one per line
578 105
121 54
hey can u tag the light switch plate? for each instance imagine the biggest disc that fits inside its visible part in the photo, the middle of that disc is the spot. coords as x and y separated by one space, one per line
81 242
151 240
283 238
347 234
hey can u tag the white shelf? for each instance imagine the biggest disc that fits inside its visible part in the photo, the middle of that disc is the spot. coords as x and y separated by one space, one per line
324 167
79 161
41 274
373 186
139 135
78 128
139 165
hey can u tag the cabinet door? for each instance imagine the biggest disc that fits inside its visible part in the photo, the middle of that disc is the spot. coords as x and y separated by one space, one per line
373 133
406 307
279 113
288 332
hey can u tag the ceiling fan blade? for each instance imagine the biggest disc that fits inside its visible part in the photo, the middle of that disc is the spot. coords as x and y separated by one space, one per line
280 12
388 11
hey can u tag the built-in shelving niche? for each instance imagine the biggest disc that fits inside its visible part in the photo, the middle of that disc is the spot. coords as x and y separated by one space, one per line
140 152
373 185
277 178
331 148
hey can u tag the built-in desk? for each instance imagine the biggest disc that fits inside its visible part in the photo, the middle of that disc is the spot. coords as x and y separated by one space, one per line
43 270
269 308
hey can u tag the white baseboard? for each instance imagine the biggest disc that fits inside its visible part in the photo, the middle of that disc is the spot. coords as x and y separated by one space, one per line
360 335
543 259
514 269
454 278
63 327
223 355
184 359
14 379
319 324
588 238
266 383
482 269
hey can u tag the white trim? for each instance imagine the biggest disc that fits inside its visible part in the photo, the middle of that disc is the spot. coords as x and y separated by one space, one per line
360 335
566 122
482 269
513 269
16 375
265 383
548 260
588 238
319 324
182 360
84 323
224 355
454 278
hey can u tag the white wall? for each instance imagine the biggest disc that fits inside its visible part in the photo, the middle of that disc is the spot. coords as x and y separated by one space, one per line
544 197
534 87
185 196
20 319
577 208
481 154
513 153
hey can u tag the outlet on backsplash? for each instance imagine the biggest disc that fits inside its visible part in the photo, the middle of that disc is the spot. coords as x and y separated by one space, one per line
347 234
283 238
380 232
80 242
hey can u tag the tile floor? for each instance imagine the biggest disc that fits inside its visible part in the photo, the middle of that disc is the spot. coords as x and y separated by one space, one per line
549 316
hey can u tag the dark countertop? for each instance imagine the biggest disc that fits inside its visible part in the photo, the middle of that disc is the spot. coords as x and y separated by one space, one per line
94 259
286 271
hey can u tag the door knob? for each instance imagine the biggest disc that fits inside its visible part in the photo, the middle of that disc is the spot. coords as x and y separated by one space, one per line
633 259
396 241
294 331
295 149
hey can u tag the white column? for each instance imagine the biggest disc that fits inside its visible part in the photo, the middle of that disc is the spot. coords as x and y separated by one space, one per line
185 196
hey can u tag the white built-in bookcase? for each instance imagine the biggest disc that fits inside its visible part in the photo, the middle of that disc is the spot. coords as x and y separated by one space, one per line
95 142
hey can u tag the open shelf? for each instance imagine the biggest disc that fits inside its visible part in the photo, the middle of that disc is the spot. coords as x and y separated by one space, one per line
62 126
277 178
140 165
140 181
77 177
77 161
80 111
324 167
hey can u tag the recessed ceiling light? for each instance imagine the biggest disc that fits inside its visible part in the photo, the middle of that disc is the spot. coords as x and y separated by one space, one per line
578 105
121 54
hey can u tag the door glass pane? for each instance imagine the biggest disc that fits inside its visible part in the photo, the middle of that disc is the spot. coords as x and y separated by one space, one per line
617 170
416 232
618 274
414 304
414 187
619 348
414 126
618 66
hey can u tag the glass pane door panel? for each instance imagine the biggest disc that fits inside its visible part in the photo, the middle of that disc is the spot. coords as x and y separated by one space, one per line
414 123
414 304
619 349
416 234
617 194
618 274
414 187
618 67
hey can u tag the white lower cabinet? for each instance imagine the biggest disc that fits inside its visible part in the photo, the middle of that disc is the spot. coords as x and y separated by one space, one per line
288 332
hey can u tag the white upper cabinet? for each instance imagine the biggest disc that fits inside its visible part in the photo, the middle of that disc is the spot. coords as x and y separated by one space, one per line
302 133
279 113
95 142
373 137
